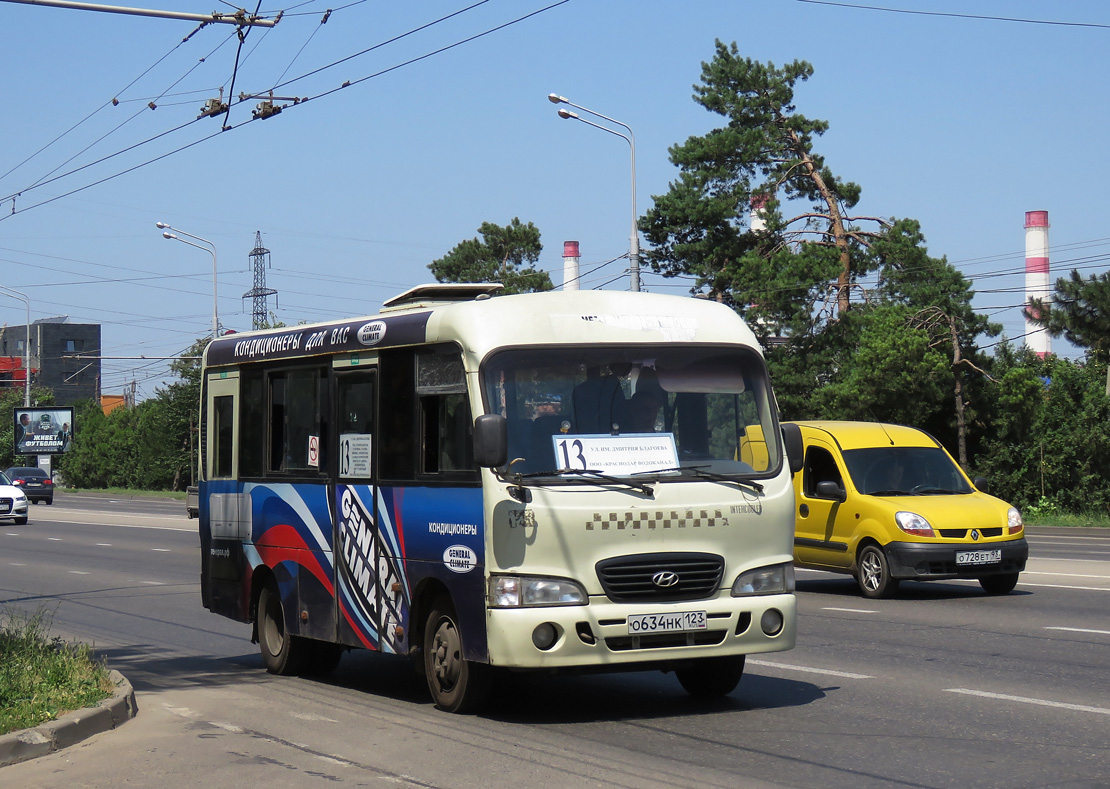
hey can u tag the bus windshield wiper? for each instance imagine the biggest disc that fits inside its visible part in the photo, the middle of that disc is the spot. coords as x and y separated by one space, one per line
647 490
699 471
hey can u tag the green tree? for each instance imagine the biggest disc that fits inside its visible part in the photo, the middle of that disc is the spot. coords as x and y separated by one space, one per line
764 155
1050 443
1080 311
500 256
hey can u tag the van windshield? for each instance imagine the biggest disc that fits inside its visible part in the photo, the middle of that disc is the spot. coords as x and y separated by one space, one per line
892 471
626 411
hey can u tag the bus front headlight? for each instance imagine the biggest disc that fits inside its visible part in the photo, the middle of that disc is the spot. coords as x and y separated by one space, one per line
518 591
778 579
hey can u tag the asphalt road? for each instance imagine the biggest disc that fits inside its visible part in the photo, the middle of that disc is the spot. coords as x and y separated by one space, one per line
941 687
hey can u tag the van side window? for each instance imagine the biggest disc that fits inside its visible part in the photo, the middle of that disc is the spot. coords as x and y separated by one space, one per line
819 467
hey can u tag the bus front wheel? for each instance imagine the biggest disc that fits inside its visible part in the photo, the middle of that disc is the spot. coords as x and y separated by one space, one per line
282 652
456 684
711 677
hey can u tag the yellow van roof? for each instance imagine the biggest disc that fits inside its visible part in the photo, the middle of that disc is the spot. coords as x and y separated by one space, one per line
857 435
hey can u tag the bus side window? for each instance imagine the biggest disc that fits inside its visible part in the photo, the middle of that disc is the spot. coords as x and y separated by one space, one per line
447 430
396 444
295 422
223 415
252 424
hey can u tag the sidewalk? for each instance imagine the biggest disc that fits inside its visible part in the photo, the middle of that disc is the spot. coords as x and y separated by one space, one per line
69 729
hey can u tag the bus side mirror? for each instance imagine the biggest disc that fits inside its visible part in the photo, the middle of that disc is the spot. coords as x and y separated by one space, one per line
491 440
795 451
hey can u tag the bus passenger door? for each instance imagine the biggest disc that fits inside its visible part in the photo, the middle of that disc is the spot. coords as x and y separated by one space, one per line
362 560
224 520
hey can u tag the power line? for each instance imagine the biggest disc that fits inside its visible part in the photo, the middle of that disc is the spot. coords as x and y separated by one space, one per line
957 16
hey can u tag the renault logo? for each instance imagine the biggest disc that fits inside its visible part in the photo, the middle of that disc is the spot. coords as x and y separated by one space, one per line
664 579
975 535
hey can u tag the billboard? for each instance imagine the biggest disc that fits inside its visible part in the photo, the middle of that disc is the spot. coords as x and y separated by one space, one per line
43 431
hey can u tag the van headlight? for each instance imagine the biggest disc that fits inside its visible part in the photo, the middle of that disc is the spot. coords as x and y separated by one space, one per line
912 523
778 579
1013 520
519 591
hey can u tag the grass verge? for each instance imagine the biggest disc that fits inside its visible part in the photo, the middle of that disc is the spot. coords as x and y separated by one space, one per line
41 677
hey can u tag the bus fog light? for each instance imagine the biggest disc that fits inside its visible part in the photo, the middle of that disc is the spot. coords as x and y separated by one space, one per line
771 621
545 636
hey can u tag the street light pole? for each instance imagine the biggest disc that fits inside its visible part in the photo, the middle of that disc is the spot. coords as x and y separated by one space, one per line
210 249
26 345
630 138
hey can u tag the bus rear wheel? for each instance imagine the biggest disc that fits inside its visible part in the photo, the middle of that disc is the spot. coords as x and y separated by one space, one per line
456 684
282 652
711 677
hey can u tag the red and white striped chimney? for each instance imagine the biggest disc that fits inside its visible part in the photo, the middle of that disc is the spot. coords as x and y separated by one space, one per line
1036 278
570 265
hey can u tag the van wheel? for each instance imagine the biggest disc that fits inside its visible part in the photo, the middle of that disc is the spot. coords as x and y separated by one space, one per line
874 574
282 652
999 584
456 684
711 677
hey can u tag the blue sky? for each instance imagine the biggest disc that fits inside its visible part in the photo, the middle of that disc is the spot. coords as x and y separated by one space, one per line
962 123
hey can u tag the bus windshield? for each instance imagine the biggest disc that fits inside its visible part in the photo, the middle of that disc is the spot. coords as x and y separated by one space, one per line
667 409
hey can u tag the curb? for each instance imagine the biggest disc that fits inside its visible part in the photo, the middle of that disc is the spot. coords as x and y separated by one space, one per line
70 729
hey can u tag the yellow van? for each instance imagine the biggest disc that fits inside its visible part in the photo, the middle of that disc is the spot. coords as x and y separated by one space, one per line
887 503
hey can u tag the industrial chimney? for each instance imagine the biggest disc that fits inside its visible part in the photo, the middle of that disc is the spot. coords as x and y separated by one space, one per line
1036 278
570 265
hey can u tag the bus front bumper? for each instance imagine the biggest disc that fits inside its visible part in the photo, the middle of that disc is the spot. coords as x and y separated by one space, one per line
599 635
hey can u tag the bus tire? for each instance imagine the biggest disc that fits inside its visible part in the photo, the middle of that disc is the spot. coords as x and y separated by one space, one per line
873 574
321 659
711 677
282 652
456 684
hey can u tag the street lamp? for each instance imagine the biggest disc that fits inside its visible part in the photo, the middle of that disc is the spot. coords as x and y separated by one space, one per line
210 249
634 237
26 344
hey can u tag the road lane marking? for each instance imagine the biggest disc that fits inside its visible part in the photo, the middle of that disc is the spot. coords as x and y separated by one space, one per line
162 550
851 610
103 545
78 572
1066 575
1025 700
808 669
1062 586
1080 630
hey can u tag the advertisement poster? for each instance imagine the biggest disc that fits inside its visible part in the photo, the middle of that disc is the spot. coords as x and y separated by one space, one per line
43 431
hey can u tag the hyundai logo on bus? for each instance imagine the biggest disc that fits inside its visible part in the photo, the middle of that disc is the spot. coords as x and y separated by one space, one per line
664 579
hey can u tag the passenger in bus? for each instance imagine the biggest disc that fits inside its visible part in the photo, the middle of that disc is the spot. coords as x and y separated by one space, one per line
643 411
599 401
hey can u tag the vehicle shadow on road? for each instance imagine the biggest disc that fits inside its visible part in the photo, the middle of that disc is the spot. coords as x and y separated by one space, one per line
908 590
624 696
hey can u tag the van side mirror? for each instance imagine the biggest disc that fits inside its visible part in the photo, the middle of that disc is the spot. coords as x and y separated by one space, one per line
981 484
795 451
491 440
831 490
